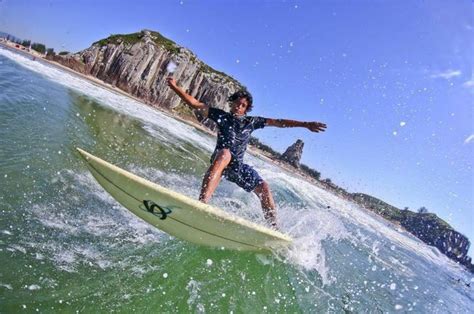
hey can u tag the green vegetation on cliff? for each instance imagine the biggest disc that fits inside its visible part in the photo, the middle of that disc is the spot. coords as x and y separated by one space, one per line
380 207
160 40
134 38
119 38
392 213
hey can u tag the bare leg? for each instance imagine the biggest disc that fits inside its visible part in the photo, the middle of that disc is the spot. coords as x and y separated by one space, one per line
213 175
268 205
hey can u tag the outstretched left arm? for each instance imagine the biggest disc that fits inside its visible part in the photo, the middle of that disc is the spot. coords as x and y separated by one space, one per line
284 123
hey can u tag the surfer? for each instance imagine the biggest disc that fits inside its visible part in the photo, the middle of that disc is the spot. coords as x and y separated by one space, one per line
234 129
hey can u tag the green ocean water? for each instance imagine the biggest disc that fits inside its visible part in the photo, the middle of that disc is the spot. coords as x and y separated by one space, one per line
67 246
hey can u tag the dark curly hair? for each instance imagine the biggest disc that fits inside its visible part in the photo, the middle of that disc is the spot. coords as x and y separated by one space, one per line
242 94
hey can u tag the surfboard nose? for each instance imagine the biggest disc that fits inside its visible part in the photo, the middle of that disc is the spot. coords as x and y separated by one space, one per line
83 153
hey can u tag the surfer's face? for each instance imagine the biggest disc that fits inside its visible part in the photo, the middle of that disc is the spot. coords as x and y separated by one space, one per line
239 106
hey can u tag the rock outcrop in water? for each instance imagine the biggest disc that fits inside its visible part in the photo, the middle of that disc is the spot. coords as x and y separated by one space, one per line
137 64
293 154
426 226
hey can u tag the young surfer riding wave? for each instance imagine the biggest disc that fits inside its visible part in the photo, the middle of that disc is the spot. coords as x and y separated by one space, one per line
234 130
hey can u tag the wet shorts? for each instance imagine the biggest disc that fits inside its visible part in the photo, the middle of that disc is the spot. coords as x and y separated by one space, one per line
243 175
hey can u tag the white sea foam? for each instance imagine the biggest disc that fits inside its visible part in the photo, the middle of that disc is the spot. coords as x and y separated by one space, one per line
33 287
186 184
68 258
194 287
16 247
110 223
323 217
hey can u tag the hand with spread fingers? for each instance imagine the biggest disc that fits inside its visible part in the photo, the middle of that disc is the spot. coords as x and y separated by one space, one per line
316 126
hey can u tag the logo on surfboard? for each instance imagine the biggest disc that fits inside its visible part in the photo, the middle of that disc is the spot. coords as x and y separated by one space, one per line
155 209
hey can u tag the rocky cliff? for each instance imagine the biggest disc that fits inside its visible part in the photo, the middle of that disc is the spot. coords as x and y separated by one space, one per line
137 64
426 226
293 154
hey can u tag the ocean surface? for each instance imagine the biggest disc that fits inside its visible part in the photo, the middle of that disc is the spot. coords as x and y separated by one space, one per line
67 246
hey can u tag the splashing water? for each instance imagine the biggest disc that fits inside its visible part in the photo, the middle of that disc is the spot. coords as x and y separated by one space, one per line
171 67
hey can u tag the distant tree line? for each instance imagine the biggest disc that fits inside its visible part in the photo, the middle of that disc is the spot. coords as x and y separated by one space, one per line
421 210
39 47
310 171
13 39
255 142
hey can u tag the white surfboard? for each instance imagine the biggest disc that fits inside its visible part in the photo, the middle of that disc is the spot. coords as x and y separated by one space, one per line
181 216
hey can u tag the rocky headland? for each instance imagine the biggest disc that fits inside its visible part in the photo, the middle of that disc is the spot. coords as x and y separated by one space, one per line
137 64
426 226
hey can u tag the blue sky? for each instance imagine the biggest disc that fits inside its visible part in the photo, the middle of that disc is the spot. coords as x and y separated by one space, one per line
392 79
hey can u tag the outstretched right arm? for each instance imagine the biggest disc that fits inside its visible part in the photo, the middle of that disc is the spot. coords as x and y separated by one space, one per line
188 99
